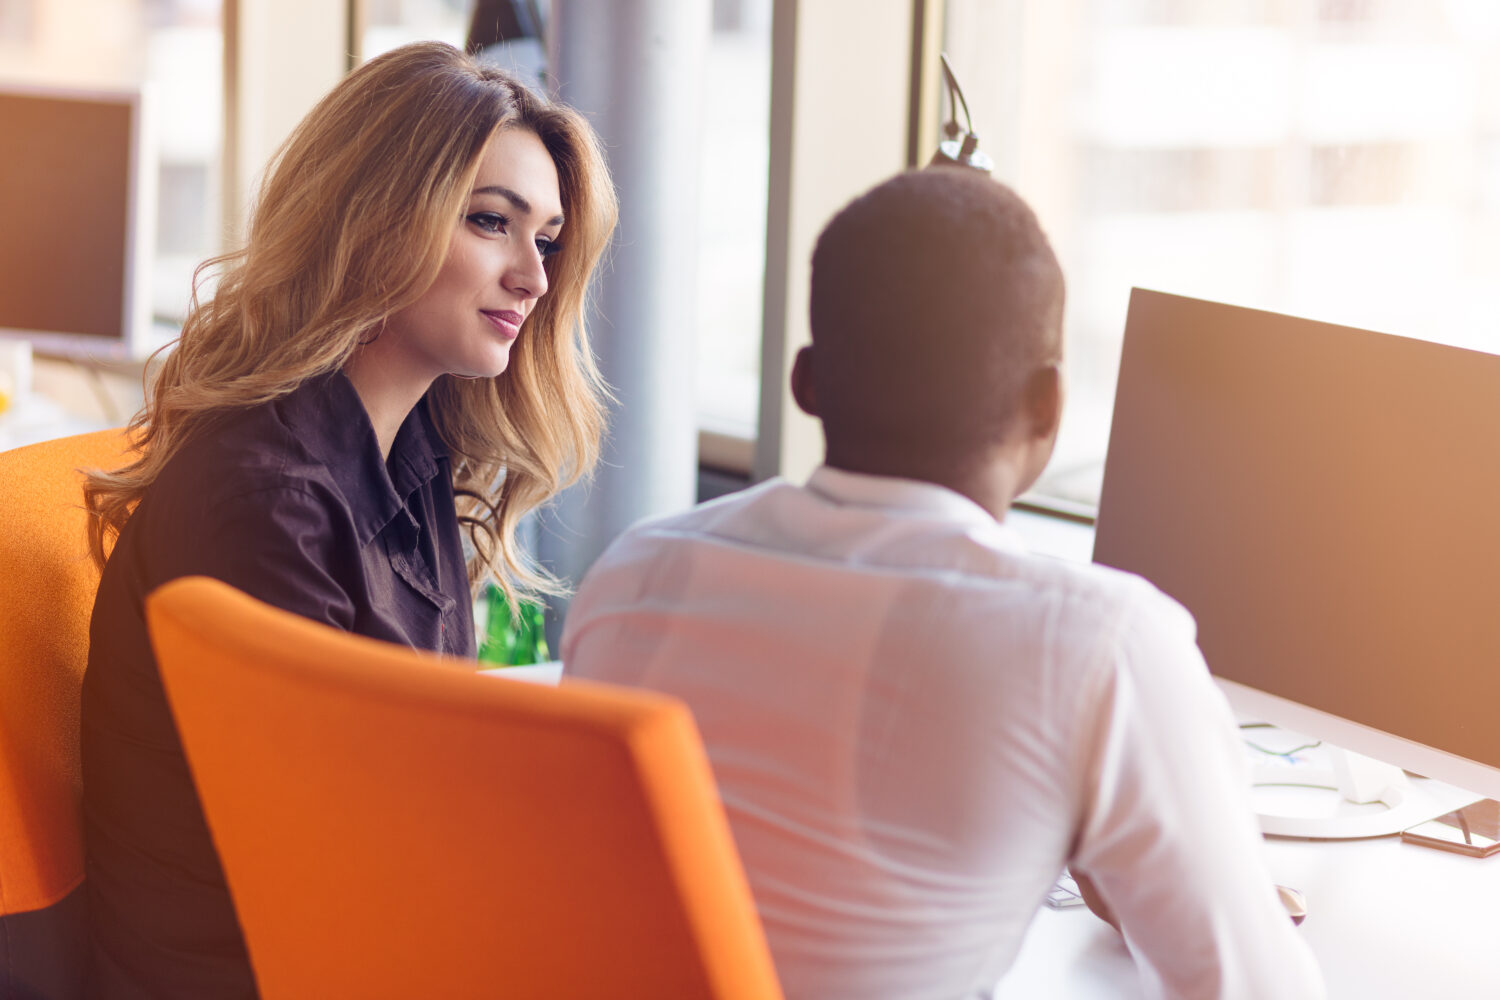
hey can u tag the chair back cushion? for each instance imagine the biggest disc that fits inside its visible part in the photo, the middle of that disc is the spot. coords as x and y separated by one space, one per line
393 824
47 585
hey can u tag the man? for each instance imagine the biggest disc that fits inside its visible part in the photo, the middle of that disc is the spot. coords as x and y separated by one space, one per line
914 724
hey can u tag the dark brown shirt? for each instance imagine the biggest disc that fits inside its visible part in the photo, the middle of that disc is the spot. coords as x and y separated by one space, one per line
290 502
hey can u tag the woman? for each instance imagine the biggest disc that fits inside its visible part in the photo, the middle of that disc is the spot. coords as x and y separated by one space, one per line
396 354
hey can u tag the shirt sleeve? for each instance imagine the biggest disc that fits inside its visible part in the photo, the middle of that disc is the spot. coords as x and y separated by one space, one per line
1168 834
285 546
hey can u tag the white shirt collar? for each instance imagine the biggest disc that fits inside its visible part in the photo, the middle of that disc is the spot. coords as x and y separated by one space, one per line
912 496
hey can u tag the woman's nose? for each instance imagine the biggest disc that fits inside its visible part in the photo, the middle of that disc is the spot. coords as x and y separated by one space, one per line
526 276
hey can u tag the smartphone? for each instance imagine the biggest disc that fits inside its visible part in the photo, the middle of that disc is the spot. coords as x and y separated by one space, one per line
1454 832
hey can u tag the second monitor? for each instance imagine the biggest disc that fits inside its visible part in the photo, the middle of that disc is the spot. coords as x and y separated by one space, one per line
77 219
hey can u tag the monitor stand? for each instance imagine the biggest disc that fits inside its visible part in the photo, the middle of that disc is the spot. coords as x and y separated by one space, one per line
1336 794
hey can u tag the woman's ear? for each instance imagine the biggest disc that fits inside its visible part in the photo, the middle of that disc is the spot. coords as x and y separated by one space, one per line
802 382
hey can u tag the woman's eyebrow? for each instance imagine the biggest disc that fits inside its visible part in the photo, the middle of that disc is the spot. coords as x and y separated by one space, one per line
516 199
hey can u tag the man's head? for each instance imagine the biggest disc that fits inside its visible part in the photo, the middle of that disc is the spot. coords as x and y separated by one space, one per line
936 322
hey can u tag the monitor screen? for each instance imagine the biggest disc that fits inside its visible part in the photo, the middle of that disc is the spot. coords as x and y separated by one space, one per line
1326 502
77 211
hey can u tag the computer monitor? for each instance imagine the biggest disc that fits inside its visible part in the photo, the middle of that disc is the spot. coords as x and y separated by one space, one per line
77 218
1326 502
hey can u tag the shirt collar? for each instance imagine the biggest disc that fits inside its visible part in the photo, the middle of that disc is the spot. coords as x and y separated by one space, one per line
910 496
331 422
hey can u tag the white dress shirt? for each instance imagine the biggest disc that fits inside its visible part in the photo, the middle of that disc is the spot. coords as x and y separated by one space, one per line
915 725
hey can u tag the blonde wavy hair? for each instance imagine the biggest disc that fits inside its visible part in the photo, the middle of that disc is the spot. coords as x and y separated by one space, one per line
353 223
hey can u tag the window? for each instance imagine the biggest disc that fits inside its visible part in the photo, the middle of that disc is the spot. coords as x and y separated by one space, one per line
389 24
1337 160
732 217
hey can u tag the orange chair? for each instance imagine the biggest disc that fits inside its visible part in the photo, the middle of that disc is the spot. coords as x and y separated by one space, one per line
393 824
47 585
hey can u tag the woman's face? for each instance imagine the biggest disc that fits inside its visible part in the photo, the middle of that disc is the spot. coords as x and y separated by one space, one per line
466 322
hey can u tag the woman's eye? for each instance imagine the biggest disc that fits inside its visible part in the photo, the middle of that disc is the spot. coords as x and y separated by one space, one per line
547 247
490 222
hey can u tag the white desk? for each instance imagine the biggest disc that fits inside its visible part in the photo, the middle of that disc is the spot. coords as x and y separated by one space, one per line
32 418
1385 919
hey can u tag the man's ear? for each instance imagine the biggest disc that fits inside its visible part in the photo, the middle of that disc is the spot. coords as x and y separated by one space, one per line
1044 401
802 382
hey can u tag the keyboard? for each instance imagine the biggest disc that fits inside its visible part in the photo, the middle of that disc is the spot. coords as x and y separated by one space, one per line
1065 893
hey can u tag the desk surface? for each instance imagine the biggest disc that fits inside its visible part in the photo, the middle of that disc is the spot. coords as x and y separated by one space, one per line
1385 919
32 418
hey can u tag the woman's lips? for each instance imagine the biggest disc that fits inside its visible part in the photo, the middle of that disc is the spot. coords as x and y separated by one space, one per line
506 321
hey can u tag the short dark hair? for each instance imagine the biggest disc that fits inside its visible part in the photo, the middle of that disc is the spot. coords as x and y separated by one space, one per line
935 295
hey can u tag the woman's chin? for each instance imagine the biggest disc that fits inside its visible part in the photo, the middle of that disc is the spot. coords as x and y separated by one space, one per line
492 368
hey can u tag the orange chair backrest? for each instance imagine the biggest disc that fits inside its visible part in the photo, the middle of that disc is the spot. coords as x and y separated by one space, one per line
393 824
47 585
